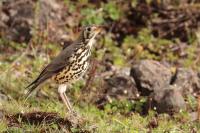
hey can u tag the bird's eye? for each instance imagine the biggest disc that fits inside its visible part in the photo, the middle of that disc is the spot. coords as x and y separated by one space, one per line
89 29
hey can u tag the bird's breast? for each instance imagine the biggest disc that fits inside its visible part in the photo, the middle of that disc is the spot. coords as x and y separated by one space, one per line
76 68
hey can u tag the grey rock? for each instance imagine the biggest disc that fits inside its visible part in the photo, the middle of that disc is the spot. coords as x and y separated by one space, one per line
118 86
150 76
167 100
124 71
121 87
193 116
188 80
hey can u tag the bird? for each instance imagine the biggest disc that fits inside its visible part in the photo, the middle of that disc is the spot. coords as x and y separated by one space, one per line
69 65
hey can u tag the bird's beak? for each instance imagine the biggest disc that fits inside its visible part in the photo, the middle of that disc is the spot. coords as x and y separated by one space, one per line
98 29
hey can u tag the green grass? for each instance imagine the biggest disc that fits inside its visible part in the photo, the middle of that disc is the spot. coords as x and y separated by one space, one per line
103 121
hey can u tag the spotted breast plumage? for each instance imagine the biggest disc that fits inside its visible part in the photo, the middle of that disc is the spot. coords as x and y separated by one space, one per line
77 68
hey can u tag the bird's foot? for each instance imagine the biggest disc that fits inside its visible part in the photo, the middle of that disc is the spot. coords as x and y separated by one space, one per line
75 119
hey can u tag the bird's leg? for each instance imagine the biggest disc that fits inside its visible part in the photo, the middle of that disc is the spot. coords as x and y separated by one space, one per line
61 90
73 116
69 105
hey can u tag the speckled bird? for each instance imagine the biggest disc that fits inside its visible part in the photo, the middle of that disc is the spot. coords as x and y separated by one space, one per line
70 65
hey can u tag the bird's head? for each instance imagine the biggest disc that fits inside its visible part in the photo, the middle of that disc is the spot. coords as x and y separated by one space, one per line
88 33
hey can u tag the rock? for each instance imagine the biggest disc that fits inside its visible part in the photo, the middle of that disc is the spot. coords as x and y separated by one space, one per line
119 86
188 80
125 71
150 76
193 116
167 100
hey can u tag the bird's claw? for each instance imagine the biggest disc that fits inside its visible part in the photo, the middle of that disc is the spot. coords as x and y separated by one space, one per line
75 118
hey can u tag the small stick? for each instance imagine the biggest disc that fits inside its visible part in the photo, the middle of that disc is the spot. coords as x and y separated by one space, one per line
198 110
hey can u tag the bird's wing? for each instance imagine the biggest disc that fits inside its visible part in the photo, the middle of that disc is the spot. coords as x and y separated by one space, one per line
57 65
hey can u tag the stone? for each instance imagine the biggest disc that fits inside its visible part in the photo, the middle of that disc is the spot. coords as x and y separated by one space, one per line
188 80
121 87
150 76
193 116
167 100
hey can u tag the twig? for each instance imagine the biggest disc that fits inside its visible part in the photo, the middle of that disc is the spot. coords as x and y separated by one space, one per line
198 110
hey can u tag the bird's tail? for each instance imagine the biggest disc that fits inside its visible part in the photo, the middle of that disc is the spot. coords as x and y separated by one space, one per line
31 87
40 79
